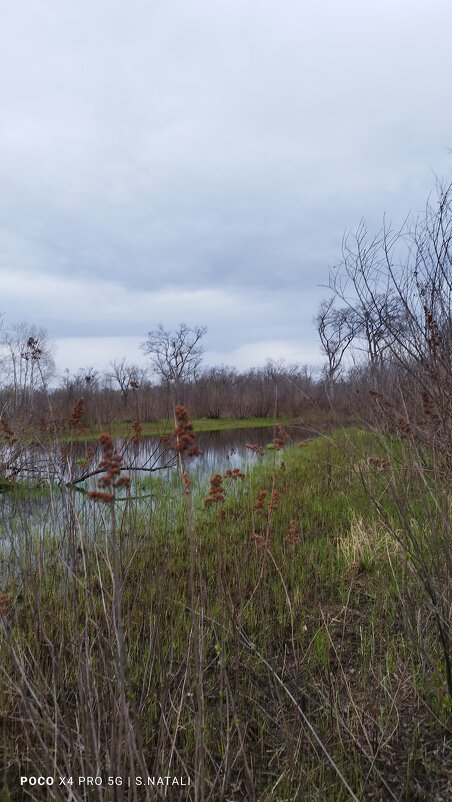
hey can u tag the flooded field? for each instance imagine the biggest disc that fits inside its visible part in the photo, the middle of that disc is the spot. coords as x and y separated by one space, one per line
75 462
40 500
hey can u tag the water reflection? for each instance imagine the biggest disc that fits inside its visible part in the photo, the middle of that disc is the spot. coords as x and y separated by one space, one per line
71 463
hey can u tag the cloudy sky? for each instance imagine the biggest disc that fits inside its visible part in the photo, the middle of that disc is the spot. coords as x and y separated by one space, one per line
199 161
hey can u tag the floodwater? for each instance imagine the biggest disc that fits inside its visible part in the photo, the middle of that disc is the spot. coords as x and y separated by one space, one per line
69 463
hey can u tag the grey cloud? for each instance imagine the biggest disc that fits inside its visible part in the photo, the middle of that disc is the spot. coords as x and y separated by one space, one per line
174 147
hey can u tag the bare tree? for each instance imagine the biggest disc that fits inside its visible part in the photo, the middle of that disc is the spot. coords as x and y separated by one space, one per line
214 388
399 285
336 329
175 356
127 376
26 361
86 379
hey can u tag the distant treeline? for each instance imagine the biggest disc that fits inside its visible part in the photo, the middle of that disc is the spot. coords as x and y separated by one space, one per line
127 393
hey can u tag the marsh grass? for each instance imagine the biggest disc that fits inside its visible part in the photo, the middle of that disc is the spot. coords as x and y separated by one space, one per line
129 647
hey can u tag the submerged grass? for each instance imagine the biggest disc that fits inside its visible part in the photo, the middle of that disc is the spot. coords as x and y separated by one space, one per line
304 605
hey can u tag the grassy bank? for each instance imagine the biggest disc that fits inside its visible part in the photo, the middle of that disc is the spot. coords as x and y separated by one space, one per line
266 644
316 420
160 427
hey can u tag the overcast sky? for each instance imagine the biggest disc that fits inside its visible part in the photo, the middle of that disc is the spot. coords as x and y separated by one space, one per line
199 161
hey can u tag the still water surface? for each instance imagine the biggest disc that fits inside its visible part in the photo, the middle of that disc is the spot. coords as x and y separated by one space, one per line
220 450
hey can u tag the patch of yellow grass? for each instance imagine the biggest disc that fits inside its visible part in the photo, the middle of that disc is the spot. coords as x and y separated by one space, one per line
366 543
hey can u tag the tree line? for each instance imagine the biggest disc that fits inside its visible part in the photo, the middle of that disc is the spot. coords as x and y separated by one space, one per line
127 391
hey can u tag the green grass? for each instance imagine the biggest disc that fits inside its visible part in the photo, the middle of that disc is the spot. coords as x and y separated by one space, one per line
327 612
124 428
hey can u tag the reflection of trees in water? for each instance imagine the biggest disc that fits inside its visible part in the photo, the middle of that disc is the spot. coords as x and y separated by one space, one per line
227 449
44 510
73 462
221 450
